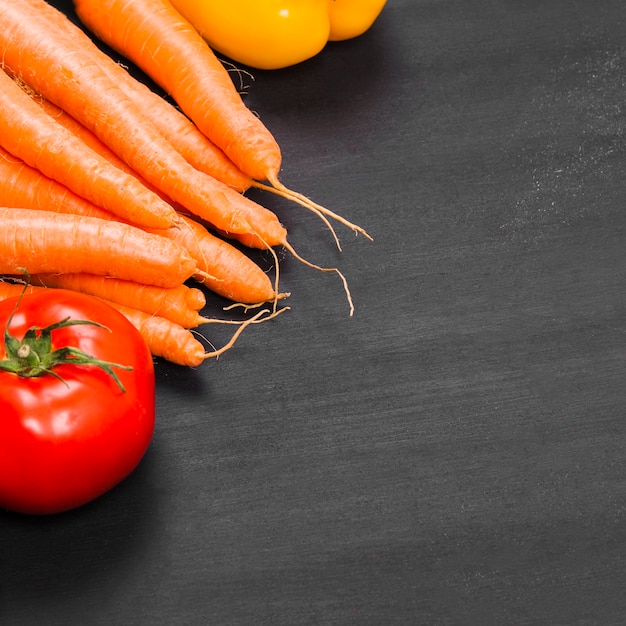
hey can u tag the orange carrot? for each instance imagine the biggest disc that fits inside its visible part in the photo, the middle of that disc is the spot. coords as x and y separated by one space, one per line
183 135
178 304
23 186
154 36
11 290
47 59
228 271
160 41
90 139
222 267
176 127
37 139
45 242
164 338
237 277
173 342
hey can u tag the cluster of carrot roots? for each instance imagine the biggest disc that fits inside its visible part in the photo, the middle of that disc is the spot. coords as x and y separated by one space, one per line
109 189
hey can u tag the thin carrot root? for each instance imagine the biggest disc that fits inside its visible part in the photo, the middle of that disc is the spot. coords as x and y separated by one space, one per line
254 319
249 307
278 188
335 270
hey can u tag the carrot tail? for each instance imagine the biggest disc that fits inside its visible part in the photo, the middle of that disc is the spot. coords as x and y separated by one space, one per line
171 303
230 272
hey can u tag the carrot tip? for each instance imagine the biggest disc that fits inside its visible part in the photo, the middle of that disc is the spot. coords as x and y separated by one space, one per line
322 212
243 325
325 269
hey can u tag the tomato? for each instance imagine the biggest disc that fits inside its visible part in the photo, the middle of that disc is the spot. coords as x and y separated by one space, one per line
70 434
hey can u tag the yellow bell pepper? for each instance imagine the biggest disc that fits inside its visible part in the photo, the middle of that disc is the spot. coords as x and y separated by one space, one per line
272 34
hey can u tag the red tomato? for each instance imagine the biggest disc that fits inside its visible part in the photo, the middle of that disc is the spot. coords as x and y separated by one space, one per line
67 438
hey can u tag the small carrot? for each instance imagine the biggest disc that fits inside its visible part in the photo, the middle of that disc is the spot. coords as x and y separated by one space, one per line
176 127
23 186
45 58
37 139
163 337
90 139
223 268
178 304
160 41
154 36
175 343
12 290
46 242
228 271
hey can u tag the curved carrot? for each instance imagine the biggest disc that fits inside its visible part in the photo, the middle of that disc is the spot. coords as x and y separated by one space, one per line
176 127
153 35
46 59
228 271
175 343
92 141
11 290
46 242
178 304
222 267
40 141
160 41
23 186
164 338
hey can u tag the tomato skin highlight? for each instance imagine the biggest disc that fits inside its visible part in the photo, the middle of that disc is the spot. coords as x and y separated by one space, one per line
66 442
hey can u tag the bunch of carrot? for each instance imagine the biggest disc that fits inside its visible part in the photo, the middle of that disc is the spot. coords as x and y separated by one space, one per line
109 189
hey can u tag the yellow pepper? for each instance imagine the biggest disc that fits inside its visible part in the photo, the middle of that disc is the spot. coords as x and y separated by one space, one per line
272 34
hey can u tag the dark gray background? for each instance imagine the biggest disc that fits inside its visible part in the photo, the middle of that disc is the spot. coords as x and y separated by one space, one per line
455 452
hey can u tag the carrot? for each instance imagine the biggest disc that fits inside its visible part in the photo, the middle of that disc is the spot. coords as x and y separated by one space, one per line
228 271
178 304
91 140
222 267
154 36
23 186
37 139
173 125
46 59
176 127
12 290
45 242
237 277
164 338
160 41
175 343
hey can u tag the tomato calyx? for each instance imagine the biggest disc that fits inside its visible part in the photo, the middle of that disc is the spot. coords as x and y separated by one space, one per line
34 356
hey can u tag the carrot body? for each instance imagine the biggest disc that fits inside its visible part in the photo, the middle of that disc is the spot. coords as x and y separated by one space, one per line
40 141
23 186
11 290
229 272
226 270
178 304
165 338
45 242
48 60
90 139
154 36
176 127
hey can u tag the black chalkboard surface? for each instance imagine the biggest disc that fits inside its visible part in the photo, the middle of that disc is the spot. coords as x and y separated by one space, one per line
455 452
